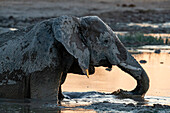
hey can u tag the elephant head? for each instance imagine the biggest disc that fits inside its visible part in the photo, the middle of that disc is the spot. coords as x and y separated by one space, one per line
93 43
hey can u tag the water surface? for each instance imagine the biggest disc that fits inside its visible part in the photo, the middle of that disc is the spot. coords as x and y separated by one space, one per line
157 67
92 95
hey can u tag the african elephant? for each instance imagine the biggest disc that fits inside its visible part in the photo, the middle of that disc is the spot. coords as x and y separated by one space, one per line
34 61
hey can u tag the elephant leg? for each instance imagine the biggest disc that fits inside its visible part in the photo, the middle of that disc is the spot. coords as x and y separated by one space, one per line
12 91
15 89
60 95
45 84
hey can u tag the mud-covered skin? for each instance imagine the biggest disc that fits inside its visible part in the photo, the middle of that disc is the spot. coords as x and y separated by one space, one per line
104 45
29 53
26 57
34 62
75 68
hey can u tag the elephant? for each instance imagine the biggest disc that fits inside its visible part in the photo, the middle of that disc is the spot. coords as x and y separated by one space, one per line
34 61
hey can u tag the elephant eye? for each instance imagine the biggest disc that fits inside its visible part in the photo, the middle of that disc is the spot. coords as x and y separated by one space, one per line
105 41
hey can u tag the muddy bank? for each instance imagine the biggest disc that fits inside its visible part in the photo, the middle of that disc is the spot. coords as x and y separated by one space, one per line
117 13
117 20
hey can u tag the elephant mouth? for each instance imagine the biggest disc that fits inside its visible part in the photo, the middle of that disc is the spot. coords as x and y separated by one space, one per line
105 63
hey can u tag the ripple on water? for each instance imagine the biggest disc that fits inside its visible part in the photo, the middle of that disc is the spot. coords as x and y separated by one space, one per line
86 102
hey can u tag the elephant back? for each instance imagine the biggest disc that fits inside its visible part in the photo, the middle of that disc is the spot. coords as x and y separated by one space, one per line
11 35
28 51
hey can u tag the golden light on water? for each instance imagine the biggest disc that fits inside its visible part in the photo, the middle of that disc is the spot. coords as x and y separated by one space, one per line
167 35
157 67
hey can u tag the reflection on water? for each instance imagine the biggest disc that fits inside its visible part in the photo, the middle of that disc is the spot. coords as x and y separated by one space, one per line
151 47
81 102
87 98
85 95
36 106
163 25
157 67
157 100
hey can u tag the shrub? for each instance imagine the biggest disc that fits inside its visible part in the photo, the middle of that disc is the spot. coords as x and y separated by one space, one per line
138 39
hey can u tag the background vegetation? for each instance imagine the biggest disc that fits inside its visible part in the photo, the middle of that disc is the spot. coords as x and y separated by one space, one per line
138 39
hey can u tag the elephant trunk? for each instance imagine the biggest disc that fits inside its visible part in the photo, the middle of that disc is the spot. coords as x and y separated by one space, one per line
142 85
132 67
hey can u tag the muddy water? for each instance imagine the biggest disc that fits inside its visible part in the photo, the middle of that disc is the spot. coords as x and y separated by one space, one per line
85 95
163 25
157 67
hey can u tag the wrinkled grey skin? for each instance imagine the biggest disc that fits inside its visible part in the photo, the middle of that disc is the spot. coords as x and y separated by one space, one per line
34 61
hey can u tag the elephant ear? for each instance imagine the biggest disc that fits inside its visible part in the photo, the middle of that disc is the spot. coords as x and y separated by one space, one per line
66 31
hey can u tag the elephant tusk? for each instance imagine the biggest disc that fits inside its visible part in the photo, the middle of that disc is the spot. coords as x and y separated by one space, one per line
129 67
87 73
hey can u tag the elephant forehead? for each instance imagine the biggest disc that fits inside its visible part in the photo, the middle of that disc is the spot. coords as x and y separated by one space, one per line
94 23
99 26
